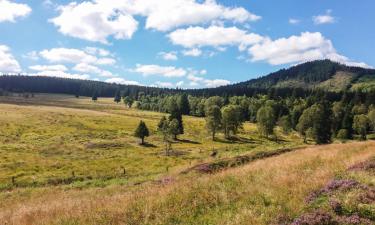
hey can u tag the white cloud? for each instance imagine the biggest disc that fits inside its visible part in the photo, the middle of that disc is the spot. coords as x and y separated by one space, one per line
98 51
195 52
9 10
216 83
8 64
48 68
215 36
97 20
164 84
87 68
167 71
324 19
294 21
118 80
296 49
33 55
180 84
61 74
94 22
169 56
71 55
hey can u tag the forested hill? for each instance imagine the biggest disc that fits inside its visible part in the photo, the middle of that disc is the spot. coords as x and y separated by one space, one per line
311 76
324 74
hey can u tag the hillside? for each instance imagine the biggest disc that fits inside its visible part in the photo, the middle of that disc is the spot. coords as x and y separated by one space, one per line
323 74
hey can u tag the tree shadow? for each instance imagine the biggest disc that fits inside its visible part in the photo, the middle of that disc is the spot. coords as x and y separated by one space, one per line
149 145
235 140
188 141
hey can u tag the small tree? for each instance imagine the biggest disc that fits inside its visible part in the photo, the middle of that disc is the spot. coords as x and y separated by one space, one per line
371 116
175 113
128 101
231 119
162 122
165 130
361 125
213 119
94 96
117 98
266 120
174 129
142 132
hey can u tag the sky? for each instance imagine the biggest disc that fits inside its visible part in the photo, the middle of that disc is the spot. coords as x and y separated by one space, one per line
180 43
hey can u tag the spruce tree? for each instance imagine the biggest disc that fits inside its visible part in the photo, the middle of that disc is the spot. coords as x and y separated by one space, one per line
175 113
322 123
183 104
142 132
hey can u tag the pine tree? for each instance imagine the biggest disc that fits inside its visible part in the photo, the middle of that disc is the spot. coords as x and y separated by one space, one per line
142 132
117 98
175 113
183 104
322 124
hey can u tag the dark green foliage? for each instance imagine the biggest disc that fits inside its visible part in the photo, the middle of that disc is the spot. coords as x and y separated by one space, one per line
94 96
175 113
183 104
141 132
117 98
322 124
128 101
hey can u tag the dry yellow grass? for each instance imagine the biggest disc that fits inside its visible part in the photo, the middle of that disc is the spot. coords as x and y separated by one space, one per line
258 193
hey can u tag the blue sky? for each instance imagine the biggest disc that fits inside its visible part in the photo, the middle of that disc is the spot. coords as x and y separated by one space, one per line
184 43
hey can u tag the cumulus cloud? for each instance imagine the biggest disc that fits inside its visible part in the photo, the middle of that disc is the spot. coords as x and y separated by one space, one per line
71 55
94 22
195 52
169 56
216 83
9 10
8 64
214 36
324 19
48 68
97 20
61 74
164 84
166 71
87 68
119 80
296 49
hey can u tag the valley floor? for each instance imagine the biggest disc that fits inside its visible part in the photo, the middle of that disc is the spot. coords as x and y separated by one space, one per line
71 161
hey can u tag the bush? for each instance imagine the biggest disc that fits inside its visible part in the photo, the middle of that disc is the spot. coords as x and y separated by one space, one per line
343 134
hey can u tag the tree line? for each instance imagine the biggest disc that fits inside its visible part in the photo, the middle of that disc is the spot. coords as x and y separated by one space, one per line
315 117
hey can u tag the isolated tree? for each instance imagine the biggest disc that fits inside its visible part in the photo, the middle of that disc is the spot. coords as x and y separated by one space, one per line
213 119
183 104
128 101
285 122
174 128
94 96
142 132
117 98
165 129
231 119
361 125
175 113
266 120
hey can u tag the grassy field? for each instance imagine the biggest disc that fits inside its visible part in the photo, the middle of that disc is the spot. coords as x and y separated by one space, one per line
56 140
74 161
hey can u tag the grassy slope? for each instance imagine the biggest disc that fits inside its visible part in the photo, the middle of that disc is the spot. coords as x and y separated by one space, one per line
259 193
43 140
